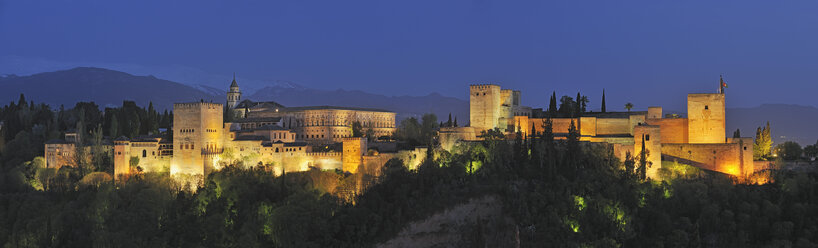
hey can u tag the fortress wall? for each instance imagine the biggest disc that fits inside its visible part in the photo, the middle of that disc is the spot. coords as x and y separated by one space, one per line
706 118
718 157
609 126
587 126
621 150
673 130
746 155
614 140
325 160
449 136
635 120
561 125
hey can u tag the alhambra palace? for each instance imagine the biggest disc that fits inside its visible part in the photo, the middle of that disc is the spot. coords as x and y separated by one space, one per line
269 133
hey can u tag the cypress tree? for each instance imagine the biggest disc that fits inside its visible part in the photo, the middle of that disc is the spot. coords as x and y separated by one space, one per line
552 106
603 100
449 122
578 107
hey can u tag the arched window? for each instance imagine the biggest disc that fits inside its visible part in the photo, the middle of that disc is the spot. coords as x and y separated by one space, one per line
144 153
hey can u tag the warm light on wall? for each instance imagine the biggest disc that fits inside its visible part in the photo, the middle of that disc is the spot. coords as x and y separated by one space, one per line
732 170
216 164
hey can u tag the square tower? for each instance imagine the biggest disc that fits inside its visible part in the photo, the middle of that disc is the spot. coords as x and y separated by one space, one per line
484 107
705 116
354 150
197 136
652 138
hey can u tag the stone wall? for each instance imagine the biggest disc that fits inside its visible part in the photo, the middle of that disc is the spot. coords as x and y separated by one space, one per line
673 130
717 157
613 126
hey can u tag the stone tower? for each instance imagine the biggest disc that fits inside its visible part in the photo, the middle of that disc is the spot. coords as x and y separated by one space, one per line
484 106
122 156
197 137
354 150
234 95
652 138
706 118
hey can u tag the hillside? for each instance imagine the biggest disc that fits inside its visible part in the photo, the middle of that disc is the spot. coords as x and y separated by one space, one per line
103 86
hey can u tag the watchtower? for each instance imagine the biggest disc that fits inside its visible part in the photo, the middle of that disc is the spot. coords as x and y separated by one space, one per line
484 107
197 136
706 118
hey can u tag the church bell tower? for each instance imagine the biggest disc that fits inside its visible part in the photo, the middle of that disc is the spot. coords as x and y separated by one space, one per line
234 95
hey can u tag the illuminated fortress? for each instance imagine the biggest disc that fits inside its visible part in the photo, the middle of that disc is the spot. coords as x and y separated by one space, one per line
283 138
698 140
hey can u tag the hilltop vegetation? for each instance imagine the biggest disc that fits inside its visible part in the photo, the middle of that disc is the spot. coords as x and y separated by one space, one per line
555 193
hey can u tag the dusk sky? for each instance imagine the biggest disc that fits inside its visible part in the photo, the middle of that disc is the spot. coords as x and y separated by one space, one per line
646 52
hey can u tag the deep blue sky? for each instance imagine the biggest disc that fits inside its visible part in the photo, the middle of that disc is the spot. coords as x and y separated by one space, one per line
647 52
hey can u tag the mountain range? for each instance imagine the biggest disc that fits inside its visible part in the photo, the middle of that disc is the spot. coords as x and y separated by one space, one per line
109 88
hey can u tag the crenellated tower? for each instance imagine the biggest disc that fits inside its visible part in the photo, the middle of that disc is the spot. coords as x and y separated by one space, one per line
234 95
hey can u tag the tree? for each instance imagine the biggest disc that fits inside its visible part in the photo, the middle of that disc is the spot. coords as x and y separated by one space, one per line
455 121
80 157
357 129
578 105
567 106
603 100
583 101
113 129
811 151
630 164
643 161
22 101
99 157
737 133
133 163
552 105
428 127
789 151
628 106
449 122
763 143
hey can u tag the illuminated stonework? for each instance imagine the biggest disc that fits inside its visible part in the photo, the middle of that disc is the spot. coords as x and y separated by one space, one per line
698 140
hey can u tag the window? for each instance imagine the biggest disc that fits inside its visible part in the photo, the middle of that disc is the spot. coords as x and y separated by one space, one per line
144 153
706 107
647 137
276 149
745 148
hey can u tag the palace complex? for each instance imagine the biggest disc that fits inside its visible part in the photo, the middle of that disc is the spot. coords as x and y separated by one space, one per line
265 133
271 134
